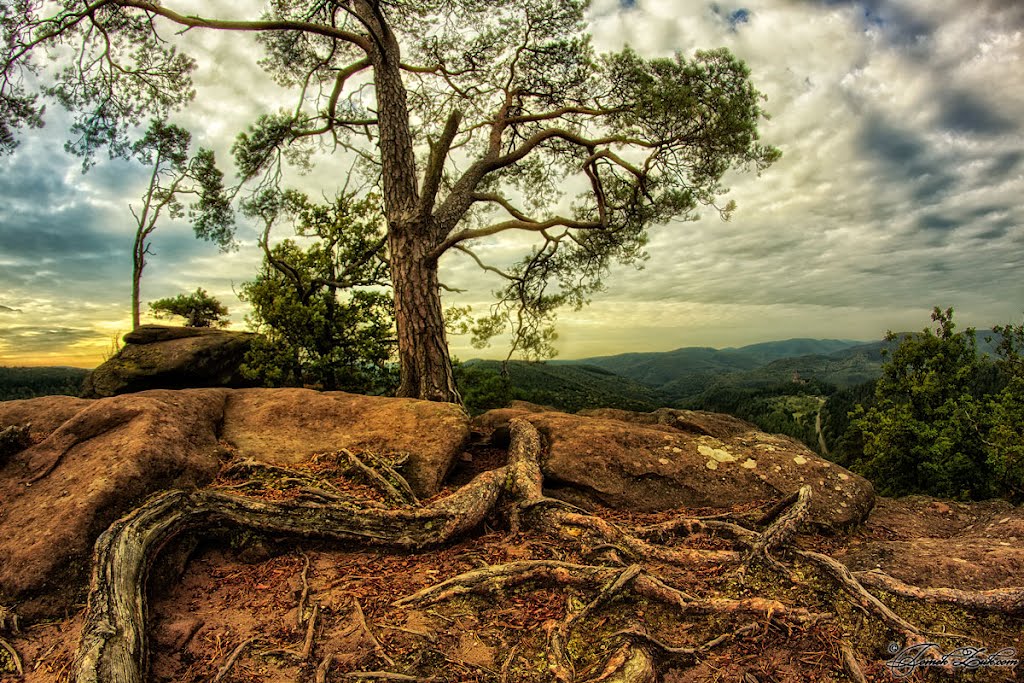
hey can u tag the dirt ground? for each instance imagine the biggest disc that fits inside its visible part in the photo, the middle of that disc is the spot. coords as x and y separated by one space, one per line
243 608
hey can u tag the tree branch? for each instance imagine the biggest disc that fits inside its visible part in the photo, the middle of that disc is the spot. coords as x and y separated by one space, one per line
435 166
193 21
503 203
532 226
484 266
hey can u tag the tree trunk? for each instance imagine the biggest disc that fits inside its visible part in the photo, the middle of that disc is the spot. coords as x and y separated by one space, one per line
138 263
426 367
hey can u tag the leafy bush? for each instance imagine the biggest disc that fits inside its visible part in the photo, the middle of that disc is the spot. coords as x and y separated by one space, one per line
944 420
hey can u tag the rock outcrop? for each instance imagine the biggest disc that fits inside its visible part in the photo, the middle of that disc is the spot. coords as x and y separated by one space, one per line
108 455
287 426
934 543
161 357
93 461
668 459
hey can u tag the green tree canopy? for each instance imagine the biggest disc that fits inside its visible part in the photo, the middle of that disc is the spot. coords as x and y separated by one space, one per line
323 311
471 118
944 420
199 309
1005 415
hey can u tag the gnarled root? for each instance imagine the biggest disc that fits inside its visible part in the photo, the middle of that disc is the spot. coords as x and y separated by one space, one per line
113 646
999 600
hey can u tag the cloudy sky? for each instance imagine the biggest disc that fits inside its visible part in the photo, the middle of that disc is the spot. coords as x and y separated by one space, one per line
901 124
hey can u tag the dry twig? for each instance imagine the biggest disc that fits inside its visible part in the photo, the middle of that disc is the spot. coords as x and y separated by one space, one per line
232 658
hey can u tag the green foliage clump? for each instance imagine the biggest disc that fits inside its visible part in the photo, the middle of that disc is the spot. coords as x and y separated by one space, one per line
324 313
199 309
789 408
845 444
944 420
1006 414
483 387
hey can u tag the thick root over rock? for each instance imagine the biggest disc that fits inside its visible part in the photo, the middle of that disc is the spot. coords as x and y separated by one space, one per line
113 642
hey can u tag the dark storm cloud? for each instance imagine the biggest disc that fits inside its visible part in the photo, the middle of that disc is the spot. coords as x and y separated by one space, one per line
995 233
59 235
8 309
896 147
906 158
966 112
1005 164
937 222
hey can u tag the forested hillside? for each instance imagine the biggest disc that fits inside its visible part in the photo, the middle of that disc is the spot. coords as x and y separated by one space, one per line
16 383
568 387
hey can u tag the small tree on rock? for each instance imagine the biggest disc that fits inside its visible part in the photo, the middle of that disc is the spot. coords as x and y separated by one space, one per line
199 309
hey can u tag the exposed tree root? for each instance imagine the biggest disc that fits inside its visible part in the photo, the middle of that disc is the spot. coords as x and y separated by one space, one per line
689 526
782 529
304 483
499 578
225 669
838 572
742 632
15 659
383 477
1001 600
850 664
113 647
631 663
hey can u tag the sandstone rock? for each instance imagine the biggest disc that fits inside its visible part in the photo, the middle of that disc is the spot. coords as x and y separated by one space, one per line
160 357
697 421
58 495
45 414
531 407
288 425
494 423
657 466
93 461
935 544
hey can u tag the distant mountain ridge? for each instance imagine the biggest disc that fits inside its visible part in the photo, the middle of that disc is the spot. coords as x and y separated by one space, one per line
688 371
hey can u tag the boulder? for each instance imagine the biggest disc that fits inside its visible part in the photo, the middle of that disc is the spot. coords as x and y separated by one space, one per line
103 460
92 461
668 461
289 425
161 357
